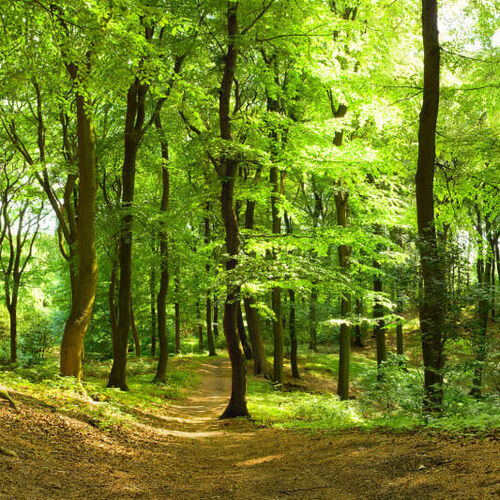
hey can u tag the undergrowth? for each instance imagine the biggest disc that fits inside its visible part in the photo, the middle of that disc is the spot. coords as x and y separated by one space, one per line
394 402
90 400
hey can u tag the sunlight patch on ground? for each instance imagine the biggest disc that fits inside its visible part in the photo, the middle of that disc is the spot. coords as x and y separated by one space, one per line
257 461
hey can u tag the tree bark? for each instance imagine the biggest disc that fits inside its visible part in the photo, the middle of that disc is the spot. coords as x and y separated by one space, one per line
251 313
208 305
247 349
152 288
344 251
399 327
358 337
135 333
161 370
216 318
177 315
199 326
313 331
293 336
134 120
433 300
84 293
379 328
276 291
237 406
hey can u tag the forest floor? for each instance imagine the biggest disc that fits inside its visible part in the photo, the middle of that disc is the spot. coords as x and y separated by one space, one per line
183 451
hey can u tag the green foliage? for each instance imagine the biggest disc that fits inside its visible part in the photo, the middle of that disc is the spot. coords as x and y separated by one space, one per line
94 403
393 402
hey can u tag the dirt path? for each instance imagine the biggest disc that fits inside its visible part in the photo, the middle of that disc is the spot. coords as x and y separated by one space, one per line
186 453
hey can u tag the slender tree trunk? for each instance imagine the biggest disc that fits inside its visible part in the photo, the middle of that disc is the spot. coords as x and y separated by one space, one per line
133 129
379 328
199 326
272 106
358 337
433 300
208 308
276 291
251 313
161 370
480 337
341 202
152 287
293 336
247 349
177 313
313 332
13 329
228 170
84 294
210 336
115 334
237 406
399 328
216 318
494 263
135 333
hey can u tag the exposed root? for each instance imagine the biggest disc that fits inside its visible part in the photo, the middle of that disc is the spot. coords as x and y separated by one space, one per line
6 451
5 395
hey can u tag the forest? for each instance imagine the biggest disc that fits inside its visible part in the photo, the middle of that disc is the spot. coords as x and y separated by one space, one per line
249 249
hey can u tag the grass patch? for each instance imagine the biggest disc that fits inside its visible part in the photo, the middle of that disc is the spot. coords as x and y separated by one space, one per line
394 403
90 400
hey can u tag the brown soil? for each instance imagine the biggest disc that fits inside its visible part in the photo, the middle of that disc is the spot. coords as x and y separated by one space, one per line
187 453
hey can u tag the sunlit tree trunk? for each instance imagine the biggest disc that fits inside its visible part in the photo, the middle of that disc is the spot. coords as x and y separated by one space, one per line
84 293
237 406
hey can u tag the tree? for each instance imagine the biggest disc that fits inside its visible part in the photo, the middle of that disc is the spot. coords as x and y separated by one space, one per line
431 306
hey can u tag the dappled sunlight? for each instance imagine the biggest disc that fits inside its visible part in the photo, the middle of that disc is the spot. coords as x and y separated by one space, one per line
257 461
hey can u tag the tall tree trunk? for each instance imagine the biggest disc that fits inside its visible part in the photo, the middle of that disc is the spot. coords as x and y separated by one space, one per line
161 370
199 326
313 331
433 300
177 307
247 349
480 340
251 313
115 334
276 291
135 333
293 336
480 337
12 309
210 336
237 406
399 327
341 202
378 314
133 131
208 306
494 263
358 337
216 318
84 294
152 290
